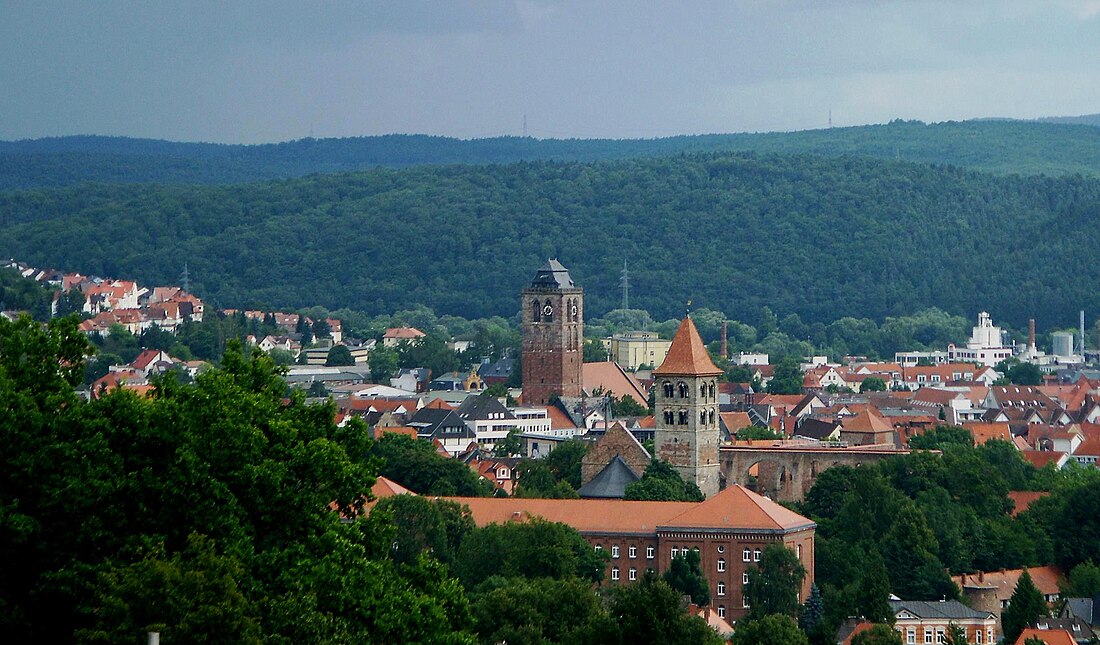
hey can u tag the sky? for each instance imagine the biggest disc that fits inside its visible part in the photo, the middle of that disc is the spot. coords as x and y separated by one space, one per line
253 72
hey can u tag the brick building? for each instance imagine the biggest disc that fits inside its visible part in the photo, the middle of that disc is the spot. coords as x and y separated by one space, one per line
552 310
730 530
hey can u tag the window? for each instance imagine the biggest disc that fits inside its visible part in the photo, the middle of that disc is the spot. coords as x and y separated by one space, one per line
911 636
745 578
702 417
668 389
721 564
649 552
614 550
683 390
798 549
745 555
756 555
633 551
721 549
978 636
614 573
633 573
675 553
721 611
721 589
939 634
744 602
683 417
927 635
670 417
599 548
712 416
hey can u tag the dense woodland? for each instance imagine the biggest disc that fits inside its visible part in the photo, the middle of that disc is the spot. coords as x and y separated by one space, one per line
817 237
1054 147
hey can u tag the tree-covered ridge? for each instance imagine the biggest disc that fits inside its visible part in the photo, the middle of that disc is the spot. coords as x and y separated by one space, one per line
823 238
1001 146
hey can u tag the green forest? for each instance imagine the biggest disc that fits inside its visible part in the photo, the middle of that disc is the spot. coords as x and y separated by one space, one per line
819 237
1053 147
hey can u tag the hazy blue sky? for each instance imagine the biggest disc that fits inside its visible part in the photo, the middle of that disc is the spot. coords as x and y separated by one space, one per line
275 70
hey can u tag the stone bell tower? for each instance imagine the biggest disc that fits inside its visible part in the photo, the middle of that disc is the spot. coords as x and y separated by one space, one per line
686 395
552 308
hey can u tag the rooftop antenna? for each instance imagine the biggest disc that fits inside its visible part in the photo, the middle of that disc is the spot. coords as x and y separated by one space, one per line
524 125
185 279
830 118
624 280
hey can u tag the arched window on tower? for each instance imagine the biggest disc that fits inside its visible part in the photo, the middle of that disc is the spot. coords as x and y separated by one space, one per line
703 417
712 390
669 417
712 416
683 390
668 389
536 311
702 390
683 417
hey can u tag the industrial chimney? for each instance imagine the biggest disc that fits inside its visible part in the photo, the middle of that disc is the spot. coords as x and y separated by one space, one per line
725 347
1031 335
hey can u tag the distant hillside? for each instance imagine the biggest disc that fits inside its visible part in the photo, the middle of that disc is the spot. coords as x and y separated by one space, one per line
1002 147
1084 119
819 237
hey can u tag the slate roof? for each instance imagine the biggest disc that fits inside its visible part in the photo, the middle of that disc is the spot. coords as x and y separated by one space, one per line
1083 608
478 408
687 355
499 369
553 275
440 423
949 609
816 429
611 482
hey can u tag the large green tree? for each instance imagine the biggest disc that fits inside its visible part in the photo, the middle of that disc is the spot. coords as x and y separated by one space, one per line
661 482
773 629
534 549
774 584
685 575
1025 605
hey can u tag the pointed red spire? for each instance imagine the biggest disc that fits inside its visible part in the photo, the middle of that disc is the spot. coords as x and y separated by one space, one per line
687 356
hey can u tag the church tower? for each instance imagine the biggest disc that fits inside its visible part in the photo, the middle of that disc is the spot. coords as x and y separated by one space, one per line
552 308
686 395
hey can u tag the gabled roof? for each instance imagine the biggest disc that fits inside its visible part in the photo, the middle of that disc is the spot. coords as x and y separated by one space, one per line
687 356
865 421
614 380
739 507
403 333
384 487
1048 636
480 407
611 482
949 609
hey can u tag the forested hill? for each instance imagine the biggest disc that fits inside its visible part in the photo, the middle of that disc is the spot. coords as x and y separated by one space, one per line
820 237
1001 147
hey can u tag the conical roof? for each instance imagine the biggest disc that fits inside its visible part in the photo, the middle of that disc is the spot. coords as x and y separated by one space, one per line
554 276
687 356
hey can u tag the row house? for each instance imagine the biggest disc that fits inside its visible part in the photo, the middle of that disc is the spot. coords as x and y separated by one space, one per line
110 295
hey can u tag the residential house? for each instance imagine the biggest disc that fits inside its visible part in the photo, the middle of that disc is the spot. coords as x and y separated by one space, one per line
396 335
443 426
611 378
414 379
920 621
496 372
633 349
1046 636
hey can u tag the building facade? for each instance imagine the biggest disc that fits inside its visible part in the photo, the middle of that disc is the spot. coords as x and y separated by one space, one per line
686 396
552 309
730 530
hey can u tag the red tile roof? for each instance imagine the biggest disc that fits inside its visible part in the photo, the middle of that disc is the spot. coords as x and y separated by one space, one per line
613 379
687 355
734 508
1048 636
1023 499
1004 581
983 432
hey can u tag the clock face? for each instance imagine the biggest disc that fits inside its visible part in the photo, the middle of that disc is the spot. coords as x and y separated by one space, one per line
547 310
573 310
